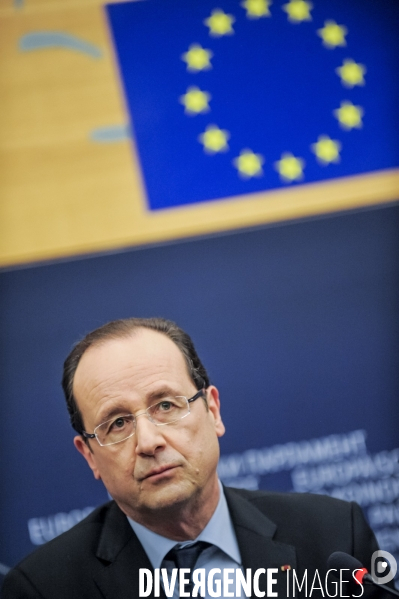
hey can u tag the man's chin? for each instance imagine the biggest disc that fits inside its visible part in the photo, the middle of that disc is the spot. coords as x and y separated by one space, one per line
165 496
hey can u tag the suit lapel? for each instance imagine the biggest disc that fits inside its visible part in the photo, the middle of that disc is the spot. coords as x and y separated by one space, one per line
255 533
120 555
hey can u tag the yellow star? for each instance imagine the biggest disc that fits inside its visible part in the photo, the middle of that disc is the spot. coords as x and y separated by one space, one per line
326 149
195 101
214 139
197 58
220 23
298 10
349 115
351 73
249 164
290 167
257 8
333 35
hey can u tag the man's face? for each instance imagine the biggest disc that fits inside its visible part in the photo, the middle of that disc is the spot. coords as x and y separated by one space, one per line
160 466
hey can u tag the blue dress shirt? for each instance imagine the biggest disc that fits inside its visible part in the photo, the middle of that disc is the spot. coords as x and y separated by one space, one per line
223 554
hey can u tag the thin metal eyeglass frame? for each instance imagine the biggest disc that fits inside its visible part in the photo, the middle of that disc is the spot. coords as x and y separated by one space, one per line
93 435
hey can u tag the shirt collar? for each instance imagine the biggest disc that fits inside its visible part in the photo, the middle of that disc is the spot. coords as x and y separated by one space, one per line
219 531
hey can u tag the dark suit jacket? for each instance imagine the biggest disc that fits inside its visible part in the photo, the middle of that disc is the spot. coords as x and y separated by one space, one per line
100 557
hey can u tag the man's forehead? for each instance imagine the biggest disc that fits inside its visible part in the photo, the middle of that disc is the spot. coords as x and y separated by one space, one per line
143 348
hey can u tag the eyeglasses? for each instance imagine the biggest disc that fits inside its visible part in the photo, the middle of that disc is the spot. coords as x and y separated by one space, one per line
120 428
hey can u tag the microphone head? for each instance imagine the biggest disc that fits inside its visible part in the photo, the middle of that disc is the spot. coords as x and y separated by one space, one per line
340 560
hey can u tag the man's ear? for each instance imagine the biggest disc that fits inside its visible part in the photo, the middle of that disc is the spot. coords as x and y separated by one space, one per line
88 455
214 408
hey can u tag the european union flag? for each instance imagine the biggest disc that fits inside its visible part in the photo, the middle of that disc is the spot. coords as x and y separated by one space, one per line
232 97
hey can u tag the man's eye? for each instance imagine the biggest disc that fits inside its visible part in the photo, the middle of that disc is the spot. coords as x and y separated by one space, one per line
165 406
118 423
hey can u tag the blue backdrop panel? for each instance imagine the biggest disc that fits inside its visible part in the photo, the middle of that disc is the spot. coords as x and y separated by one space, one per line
297 324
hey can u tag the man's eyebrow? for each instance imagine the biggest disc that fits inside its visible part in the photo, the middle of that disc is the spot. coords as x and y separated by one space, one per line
164 391
119 409
109 414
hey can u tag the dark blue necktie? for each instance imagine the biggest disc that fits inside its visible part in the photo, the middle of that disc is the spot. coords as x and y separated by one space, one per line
186 557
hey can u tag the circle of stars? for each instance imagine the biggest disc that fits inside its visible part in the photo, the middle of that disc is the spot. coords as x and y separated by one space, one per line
214 139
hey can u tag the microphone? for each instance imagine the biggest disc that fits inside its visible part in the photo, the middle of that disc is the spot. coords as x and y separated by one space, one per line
343 561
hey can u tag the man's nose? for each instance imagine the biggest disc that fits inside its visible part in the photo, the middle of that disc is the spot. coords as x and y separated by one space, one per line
149 438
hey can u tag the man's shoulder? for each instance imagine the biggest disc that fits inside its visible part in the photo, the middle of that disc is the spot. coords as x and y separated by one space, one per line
75 544
67 564
291 500
303 508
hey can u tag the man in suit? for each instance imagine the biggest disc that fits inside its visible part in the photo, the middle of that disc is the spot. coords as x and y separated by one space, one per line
148 422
